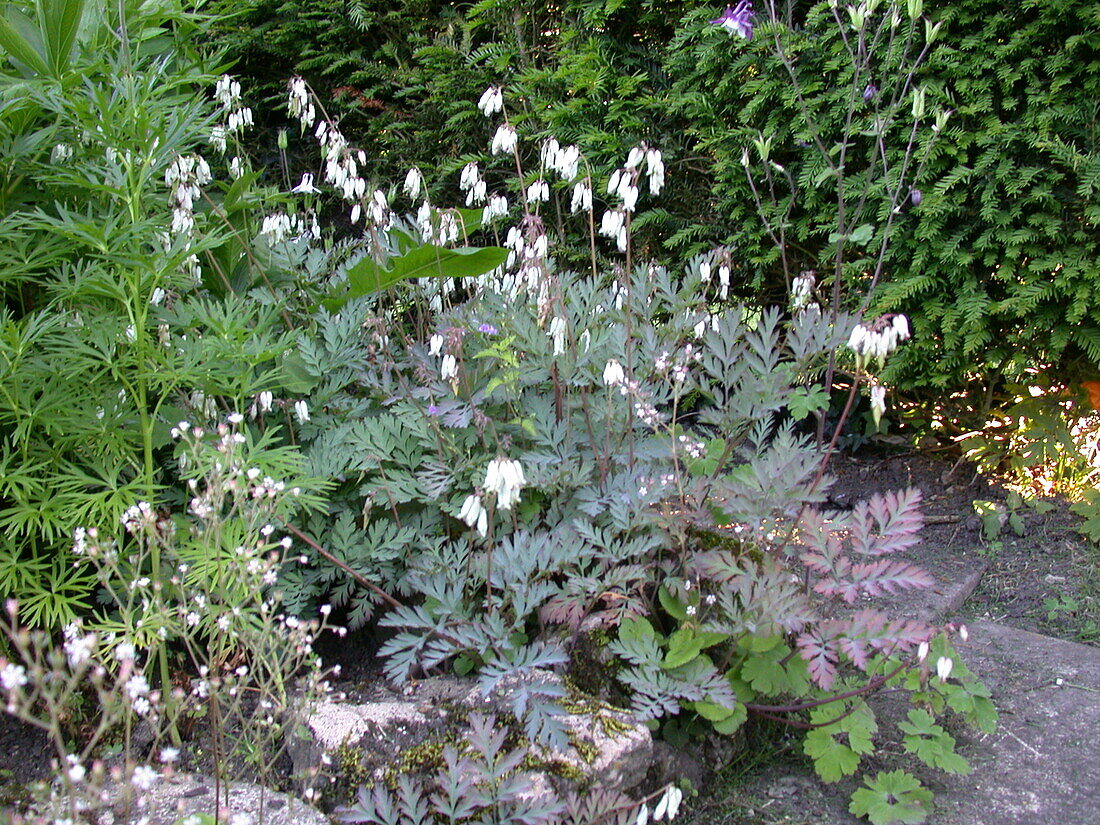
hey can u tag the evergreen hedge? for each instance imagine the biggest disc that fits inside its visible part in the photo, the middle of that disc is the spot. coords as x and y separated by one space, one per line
997 266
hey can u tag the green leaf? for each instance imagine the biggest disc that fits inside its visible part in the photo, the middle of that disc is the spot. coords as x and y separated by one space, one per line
367 276
683 646
931 743
712 712
731 723
635 628
710 638
805 401
836 748
862 234
60 21
707 464
759 644
832 759
18 47
298 379
894 797
672 605
765 672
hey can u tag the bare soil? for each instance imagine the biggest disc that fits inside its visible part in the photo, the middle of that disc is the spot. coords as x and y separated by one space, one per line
1046 580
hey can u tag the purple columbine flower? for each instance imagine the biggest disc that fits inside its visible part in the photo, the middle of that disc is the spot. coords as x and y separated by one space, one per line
915 197
488 329
870 92
738 19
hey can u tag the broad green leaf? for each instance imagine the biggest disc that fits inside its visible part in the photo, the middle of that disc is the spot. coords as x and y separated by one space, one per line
862 234
707 464
710 711
60 21
635 627
18 46
894 797
672 605
298 379
805 401
732 722
836 748
367 276
683 646
765 673
709 638
759 644
833 760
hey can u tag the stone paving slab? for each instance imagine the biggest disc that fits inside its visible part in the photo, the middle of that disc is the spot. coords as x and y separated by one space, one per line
1041 766
1043 763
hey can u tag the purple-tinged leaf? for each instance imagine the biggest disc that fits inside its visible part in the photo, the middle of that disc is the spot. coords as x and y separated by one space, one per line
820 655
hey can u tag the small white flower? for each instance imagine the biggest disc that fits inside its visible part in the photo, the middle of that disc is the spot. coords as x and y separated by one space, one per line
505 140
655 167
538 191
13 677
492 101
662 806
878 401
169 755
469 176
414 181
557 334
901 326
505 478
218 134
613 374
613 182
305 186
630 198
495 208
582 198
675 797
80 543
125 652
299 103
643 815
943 667
964 634
301 411
449 368
922 651
78 646
144 777
473 513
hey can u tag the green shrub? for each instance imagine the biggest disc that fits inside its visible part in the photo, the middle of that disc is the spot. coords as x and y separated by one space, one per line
997 264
